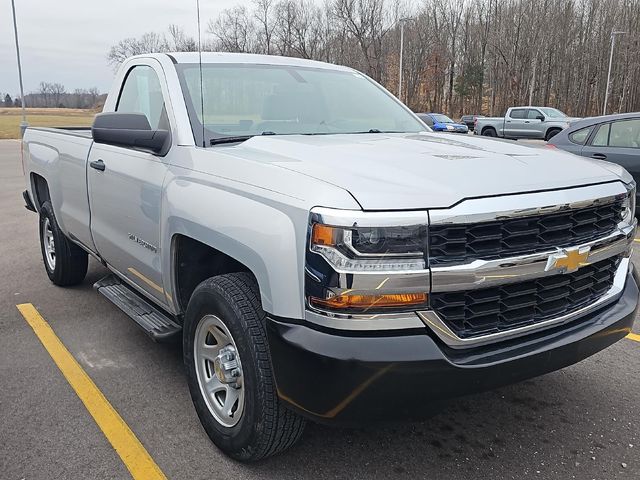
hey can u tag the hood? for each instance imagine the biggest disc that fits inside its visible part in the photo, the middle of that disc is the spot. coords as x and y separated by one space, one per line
417 171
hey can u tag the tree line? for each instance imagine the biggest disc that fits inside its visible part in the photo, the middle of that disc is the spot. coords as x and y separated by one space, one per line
55 95
464 56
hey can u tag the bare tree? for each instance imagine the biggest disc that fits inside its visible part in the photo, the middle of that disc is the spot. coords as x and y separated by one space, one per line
180 42
150 42
234 30
266 23
368 22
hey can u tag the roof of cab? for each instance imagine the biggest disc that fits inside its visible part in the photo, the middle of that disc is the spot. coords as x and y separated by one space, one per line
250 58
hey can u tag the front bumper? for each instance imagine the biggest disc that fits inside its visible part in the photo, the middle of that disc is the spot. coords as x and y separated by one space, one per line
333 378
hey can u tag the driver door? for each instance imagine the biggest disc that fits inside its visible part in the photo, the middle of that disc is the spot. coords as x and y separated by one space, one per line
532 127
125 191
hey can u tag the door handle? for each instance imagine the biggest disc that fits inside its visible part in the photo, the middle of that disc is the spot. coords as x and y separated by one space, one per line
526 121
98 165
599 156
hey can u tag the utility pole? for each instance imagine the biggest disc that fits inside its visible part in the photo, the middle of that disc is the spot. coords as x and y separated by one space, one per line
401 21
23 124
606 93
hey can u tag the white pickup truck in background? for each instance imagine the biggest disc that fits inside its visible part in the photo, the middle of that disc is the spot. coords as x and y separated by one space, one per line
524 122
320 253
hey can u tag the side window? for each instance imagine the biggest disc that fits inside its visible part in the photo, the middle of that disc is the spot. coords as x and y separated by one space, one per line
532 114
518 113
427 119
142 93
579 137
625 134
602 136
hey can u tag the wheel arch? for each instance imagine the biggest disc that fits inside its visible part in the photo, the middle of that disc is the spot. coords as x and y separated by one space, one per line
551 129
200 250
193 262
40 189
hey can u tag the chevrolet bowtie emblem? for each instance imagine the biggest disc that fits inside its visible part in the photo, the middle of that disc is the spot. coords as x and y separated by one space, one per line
568 259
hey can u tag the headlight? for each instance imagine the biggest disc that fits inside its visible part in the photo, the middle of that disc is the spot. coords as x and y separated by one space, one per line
370 249
365 264
630 204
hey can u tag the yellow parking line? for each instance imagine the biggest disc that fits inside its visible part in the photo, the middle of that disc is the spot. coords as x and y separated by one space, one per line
634 336
133 454
636 239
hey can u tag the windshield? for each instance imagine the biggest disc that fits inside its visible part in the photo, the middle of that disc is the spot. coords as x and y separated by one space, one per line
552 112
439 118
245 100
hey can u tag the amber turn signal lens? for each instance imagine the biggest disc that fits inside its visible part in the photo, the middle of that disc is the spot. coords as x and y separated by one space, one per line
364 302
323 235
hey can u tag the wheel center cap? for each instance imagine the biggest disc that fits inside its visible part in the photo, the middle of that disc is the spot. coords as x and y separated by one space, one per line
225 365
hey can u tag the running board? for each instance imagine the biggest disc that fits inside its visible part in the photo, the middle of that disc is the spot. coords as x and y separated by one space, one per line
157 324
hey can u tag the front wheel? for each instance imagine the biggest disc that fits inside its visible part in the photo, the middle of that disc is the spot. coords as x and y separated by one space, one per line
229 372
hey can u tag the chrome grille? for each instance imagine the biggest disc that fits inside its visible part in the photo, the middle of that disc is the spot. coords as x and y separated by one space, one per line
463 243
493 310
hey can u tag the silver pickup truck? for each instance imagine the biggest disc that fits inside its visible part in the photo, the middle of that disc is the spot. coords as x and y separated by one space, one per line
319 252
524 122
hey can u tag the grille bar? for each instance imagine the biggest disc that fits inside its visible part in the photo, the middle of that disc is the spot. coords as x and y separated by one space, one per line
492 310
462 243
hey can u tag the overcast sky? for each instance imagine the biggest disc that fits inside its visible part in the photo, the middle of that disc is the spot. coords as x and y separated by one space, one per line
67 41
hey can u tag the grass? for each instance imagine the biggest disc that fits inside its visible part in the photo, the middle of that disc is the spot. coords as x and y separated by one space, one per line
10 119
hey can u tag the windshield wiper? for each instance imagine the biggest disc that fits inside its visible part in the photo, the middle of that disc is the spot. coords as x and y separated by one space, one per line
372 130
377 130
235 138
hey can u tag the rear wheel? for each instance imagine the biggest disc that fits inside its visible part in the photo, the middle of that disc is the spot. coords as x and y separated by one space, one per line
552 133
229 372
489 132
65 262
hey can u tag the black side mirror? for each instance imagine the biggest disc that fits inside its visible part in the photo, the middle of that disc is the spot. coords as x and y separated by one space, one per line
540 117
129 130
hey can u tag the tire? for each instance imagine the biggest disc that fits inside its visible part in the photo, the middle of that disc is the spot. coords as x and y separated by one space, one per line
489 132
264 425
551 133
64 261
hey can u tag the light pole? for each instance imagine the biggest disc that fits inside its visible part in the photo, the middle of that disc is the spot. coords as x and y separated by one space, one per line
606 93
23 124
401 21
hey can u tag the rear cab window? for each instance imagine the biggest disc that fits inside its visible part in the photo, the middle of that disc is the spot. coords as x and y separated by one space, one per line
518 113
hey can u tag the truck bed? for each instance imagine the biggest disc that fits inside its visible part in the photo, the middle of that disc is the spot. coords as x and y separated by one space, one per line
60 156
77 131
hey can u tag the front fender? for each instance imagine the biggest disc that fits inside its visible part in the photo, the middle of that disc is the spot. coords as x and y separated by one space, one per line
267 238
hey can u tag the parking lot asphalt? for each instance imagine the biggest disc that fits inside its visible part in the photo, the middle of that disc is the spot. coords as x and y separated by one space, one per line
582 422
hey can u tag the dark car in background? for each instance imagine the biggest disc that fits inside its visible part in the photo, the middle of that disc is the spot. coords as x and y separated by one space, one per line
441 123
470 121
614 138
